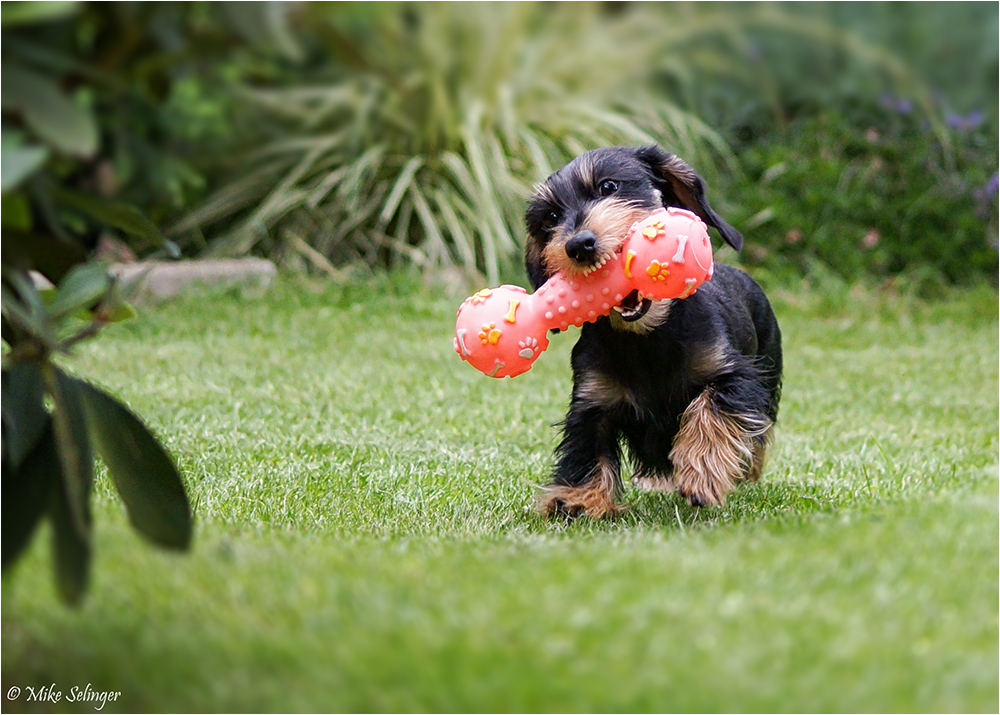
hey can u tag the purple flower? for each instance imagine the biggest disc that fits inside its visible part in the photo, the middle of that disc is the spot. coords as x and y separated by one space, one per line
957 121
895 104
985 197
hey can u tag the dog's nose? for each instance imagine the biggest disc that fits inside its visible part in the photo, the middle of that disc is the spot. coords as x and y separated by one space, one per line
582 247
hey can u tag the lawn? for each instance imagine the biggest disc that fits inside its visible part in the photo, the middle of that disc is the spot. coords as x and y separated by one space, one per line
365 539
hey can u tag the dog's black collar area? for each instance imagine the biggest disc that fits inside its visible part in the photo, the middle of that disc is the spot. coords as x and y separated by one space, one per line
633 306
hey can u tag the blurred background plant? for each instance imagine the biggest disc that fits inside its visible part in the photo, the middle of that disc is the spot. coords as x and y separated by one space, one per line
845 136
842 137
413 134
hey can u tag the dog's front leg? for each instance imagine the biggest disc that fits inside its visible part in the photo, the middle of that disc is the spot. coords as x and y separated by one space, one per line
722 438
586 478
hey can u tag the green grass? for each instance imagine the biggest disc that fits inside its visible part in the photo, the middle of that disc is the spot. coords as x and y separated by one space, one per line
365 539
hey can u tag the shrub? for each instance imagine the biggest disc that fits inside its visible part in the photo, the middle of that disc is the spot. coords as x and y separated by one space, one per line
413 134
881 199
58 115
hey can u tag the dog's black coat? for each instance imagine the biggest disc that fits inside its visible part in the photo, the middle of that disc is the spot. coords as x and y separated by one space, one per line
723 342
654 370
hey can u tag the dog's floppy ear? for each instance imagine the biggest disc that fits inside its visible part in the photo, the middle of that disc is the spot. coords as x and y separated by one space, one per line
683 187
533 262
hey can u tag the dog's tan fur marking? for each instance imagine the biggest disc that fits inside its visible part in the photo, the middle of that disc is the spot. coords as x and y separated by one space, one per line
597 388
543 192
595 498
554 257
651 482
675 166
709 360
683 179
759 460
610 219
712 451
584 170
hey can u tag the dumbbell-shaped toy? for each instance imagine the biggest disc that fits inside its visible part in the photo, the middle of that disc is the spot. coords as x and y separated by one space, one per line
501 331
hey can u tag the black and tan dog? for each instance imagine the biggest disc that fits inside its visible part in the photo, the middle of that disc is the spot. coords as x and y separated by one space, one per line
691 386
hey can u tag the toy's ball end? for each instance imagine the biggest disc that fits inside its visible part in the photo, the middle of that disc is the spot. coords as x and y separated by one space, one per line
496 333
669 254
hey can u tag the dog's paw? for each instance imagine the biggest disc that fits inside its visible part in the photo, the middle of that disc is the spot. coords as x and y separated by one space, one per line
706 494
560 506
580 501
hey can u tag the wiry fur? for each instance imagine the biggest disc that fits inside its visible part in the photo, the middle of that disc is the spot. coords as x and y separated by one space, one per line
690 387
609 219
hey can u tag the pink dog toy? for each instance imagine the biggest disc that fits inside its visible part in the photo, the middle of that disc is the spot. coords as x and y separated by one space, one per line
501 332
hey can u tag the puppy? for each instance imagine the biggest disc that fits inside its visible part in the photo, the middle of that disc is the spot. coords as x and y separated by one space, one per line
690 386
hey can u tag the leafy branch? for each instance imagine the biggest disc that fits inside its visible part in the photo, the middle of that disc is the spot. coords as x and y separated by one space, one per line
54 297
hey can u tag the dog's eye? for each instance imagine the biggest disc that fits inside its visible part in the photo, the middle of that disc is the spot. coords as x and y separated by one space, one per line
550 219
607 187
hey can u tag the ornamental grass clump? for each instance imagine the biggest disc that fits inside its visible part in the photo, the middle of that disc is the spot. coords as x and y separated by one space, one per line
419 144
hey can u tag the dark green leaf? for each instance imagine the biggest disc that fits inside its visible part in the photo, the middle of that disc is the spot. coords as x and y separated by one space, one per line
144 473
70 543
24 415
111 213
17 314
15 211
82 287
7 331
23 13
262 23
55 118
69 424
118 313
26 493
23 305
49 255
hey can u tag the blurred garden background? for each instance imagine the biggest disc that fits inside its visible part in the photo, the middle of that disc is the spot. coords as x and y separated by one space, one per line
363 538
858 139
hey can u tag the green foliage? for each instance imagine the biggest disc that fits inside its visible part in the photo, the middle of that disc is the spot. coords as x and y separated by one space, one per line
413 134
56 119
143 472
54 423
866 201
130 97
420 144
51 148
325 135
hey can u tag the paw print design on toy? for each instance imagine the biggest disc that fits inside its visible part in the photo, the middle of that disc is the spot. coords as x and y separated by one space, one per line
529 348
490 334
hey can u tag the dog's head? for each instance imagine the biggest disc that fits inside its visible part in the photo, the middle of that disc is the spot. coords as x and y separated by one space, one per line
580 215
